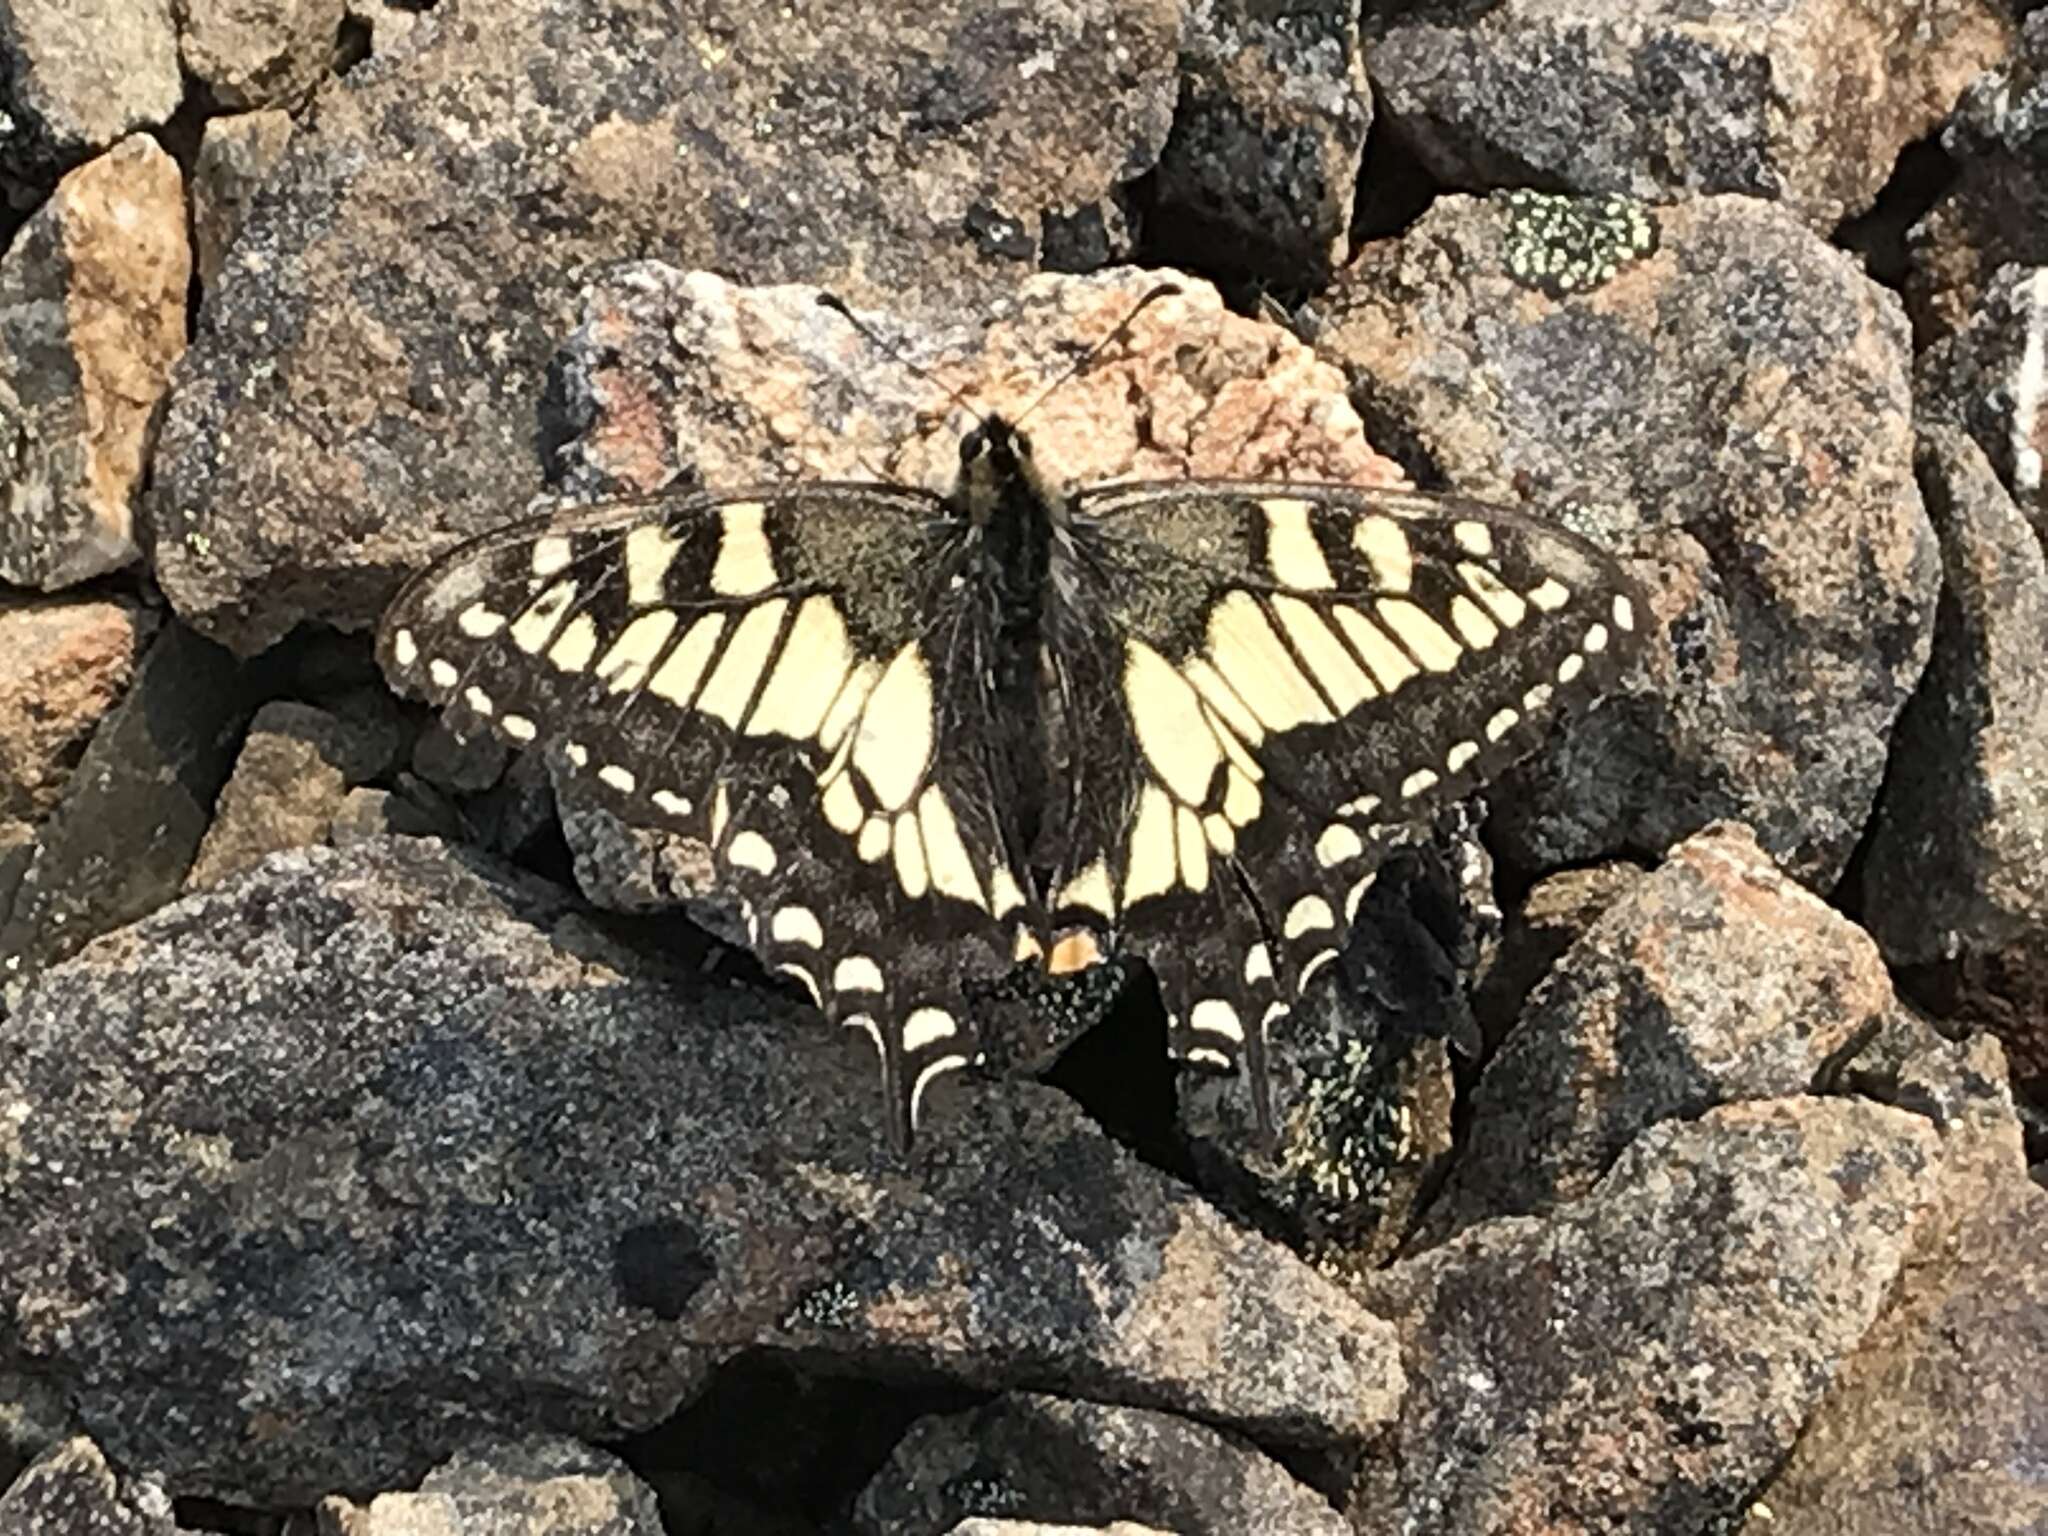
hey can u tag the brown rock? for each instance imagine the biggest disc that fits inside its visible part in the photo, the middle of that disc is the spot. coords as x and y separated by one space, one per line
1552 917
71 1491
67 664
236 156
1990 377
1805 101
1712 980
81 75
92 316
1596 358
1641 1360
258 53
538 1486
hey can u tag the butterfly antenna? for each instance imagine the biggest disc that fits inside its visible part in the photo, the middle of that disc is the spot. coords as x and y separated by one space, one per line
888 349
1088 359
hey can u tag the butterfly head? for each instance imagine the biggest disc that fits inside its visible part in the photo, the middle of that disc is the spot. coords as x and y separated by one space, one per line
995 463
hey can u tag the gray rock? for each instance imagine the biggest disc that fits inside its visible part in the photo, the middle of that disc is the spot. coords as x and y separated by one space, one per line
293 773
1044 1458
463 767
1551 918
979 1527
92 316
1990 378
362 1128
1994 212
1643 1359
80 76
71 1491
258 53
1262 164
370 374
236 156
1804 101
1713 980
133 813
538 1486
1958 855
68 661
1712 386
367 813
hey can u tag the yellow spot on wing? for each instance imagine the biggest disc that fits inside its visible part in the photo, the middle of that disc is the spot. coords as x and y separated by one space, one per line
1328 659
1194 850
744 565
895 742
1428 641
807 674
536 626
650 551
1150 863
733 680
1166 714
638 646
676 678
1502 601
1252 659
912 872
1223 699
945 852
576 645
1384 543
1388 663
1292 553
1090 889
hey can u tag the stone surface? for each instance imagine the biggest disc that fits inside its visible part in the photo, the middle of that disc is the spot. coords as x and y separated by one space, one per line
80 75
67 663
539 1486
978 1527
1991 379
236 157
1712 387
463 767
258 53
1644 1358
1262 164
1956 859
1045 1458
1712 980
1804 101
1994 212
92 316
376 350
71 1491
367 813
120 841
1551 918
290 780
379 1126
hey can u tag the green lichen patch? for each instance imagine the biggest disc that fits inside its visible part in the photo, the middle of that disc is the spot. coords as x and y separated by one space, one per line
1565 245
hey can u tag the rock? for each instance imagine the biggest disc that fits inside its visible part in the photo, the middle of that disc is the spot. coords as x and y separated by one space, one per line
1933 1424
1552 917
120 841
1994 212
81 75
236 156
1713 980
1262 164
67 663
366 814
1034 1528
1807 102
1990 378
370 377
294 771
463 767
1600 358
1957 859
1643 1359
71 1491
258 53
383 26
538 1486
378 1125
1043 1458
92 316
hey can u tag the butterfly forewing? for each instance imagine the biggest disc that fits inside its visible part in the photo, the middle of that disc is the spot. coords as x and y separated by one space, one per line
1269 679
794 676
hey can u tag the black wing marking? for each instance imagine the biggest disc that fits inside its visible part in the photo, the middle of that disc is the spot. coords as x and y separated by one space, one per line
1265 682
789 675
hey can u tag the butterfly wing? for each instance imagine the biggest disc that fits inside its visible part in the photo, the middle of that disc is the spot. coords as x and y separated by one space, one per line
792 676
1260 682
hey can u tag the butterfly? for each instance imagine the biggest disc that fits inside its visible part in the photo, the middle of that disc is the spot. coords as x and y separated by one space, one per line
929 736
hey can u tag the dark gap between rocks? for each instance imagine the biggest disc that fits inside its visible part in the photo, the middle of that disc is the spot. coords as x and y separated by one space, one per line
1877 236
180 138
354 41
1394 189
233 1519
1120 1074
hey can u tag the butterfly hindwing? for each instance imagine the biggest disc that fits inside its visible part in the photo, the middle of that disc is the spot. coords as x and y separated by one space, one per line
1269 679
786 675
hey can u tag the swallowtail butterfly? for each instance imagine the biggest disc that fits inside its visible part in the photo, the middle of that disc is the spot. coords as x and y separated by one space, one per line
929 736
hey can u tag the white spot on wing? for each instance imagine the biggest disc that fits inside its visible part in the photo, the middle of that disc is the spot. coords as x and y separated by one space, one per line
1213 1016
1337 845
857 973
927 1026
443 673
619 778
519 728
750 850
796 925
1306 916
404 649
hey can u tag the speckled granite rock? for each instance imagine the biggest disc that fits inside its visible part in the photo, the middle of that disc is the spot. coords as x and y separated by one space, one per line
1804 101
80 75
236 156
539 1486
71 1491
257 53
1994 213
1262 164
92 316
295 768
376 350
378 1126
68 661
1712 980
1958 854
1641 1360
1044 1458
1990 377
1550 919
1713 387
